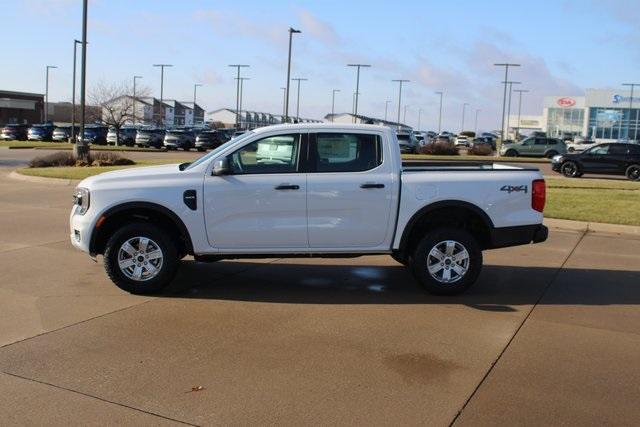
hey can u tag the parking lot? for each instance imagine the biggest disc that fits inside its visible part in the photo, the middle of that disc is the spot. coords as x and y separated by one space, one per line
549 334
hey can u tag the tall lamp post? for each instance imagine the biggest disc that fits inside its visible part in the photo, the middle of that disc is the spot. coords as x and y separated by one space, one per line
286 103
242 79
632 86
81 148
400 81
195 91
333 102
238 66
284 99
162 67
520 92
475 125
73 92
386 106
358 66
504 96
464 108
509 103
298 79
134 97
440 114
46 94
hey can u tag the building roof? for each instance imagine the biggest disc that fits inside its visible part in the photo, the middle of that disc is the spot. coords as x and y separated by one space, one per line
366 119
5 93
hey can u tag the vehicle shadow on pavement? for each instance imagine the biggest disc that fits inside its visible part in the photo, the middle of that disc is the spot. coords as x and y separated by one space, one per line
498 289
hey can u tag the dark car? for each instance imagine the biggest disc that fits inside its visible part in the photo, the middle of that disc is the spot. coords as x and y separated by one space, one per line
179 138
11 132
42 132
150 137
609 159
127 136
485 140
62 133
95 135
208 139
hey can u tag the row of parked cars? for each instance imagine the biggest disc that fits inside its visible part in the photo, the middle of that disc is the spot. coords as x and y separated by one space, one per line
200 139
411 141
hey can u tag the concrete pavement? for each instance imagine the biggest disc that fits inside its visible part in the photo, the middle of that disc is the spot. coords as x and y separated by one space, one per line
549 334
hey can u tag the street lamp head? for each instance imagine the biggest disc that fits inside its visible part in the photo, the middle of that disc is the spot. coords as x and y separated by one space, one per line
294 31
358 65
52 66
162 65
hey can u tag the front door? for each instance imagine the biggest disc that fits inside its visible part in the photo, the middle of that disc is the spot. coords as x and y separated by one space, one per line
262 202
595 160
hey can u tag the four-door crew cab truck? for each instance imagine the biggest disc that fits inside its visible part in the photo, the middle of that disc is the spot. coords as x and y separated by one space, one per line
307 190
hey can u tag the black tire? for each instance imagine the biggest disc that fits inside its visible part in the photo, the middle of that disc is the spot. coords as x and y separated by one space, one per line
550 154
511 153
200 149
633 173
167 267
459 282
570 169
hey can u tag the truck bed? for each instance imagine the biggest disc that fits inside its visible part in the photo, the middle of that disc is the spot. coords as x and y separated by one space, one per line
439 166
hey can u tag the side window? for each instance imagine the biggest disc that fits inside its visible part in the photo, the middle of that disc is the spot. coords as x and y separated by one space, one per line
618 149
634 150
541 141
552 141
274 154
346 152
600 150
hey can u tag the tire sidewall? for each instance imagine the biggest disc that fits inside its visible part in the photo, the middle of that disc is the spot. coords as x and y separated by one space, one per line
419 261
629 170
575 172
169 262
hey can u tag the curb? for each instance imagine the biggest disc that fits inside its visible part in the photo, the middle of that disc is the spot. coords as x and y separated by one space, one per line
42 180
592 227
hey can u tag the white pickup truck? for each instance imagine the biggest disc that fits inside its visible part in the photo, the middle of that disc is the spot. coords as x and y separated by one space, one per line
319 190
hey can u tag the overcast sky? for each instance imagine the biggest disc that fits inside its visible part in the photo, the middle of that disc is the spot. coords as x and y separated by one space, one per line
564 47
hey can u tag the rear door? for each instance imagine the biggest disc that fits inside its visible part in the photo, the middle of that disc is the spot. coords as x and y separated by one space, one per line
350 191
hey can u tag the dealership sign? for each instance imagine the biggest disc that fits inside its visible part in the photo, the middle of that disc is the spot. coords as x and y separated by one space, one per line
619 98
566 102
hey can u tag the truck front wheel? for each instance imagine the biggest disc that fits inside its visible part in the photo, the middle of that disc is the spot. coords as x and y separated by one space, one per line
140 258
447 261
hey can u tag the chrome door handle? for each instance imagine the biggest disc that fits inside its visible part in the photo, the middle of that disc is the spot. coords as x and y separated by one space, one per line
287 187
372 185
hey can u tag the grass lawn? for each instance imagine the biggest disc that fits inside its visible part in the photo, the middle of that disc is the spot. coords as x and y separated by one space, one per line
70 172
593 200
67 146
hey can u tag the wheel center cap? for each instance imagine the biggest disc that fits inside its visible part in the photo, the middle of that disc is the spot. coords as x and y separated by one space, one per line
140 258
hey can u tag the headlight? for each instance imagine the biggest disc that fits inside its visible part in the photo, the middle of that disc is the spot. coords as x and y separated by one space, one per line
81 200
556 158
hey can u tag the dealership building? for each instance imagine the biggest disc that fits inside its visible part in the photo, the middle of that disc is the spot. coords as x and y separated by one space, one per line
603 115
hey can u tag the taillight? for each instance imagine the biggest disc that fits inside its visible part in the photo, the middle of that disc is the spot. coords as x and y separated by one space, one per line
538 195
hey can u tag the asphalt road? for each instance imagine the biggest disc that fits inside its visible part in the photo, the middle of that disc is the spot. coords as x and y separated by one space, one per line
549 335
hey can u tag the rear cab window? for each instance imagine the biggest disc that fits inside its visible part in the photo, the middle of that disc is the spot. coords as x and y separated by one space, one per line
345 152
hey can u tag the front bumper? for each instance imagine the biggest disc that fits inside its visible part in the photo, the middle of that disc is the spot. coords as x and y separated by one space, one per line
80 227
504 237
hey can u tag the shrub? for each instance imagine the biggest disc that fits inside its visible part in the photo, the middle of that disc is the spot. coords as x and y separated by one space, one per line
481 150
66 158
440 148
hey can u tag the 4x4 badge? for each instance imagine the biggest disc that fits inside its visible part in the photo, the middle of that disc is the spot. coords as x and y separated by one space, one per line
515 188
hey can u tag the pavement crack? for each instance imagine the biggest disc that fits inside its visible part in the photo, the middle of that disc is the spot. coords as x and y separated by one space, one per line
506 347
99 398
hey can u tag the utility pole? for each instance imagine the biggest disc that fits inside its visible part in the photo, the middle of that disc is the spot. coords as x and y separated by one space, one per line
440 115
238 66
73 92
386 106
82 148
46 94
475 126
509 103
464 107
134 97
632 86
400 81
298 79
520 92
504 96
162 67
242 79
358 66
195 88
284 100
286 103
333 102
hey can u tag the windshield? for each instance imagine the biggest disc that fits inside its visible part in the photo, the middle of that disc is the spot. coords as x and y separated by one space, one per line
213 153
403 137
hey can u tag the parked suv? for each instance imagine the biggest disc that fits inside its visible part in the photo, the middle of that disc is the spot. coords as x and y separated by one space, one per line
610 159
534 146
183 139
127 136
62 133
408 142
17 132
208 139
42 132
95 135
150 137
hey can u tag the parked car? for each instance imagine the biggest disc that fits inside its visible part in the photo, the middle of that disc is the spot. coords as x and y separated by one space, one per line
150 137
609 159
43 132
484 140
226 133
127 136
534 147
14 132
407 142
263 194
95 135
462 141
208 139
62 133
580 145
179 138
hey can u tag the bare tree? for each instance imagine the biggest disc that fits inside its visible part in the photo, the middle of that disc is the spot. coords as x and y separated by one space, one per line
117 104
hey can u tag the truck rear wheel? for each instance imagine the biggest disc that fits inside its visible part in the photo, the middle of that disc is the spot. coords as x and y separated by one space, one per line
140 258
447 261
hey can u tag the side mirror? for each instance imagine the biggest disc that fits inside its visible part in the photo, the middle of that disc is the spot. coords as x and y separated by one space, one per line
221 167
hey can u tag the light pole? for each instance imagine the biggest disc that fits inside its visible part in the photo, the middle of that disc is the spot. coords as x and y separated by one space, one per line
46 94
134 97
419 117
504 96
520 92
509 103
162 67
440 115
475 126
82 149
333 102
284 100
73 92
242 79
386 106
400 81
632 85
195 89
298 79
358 66
464 107
286 96
238 66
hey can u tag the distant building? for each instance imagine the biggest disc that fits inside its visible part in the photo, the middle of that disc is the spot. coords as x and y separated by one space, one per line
21 107
195 114
170 113
248 119
61 112
360 119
